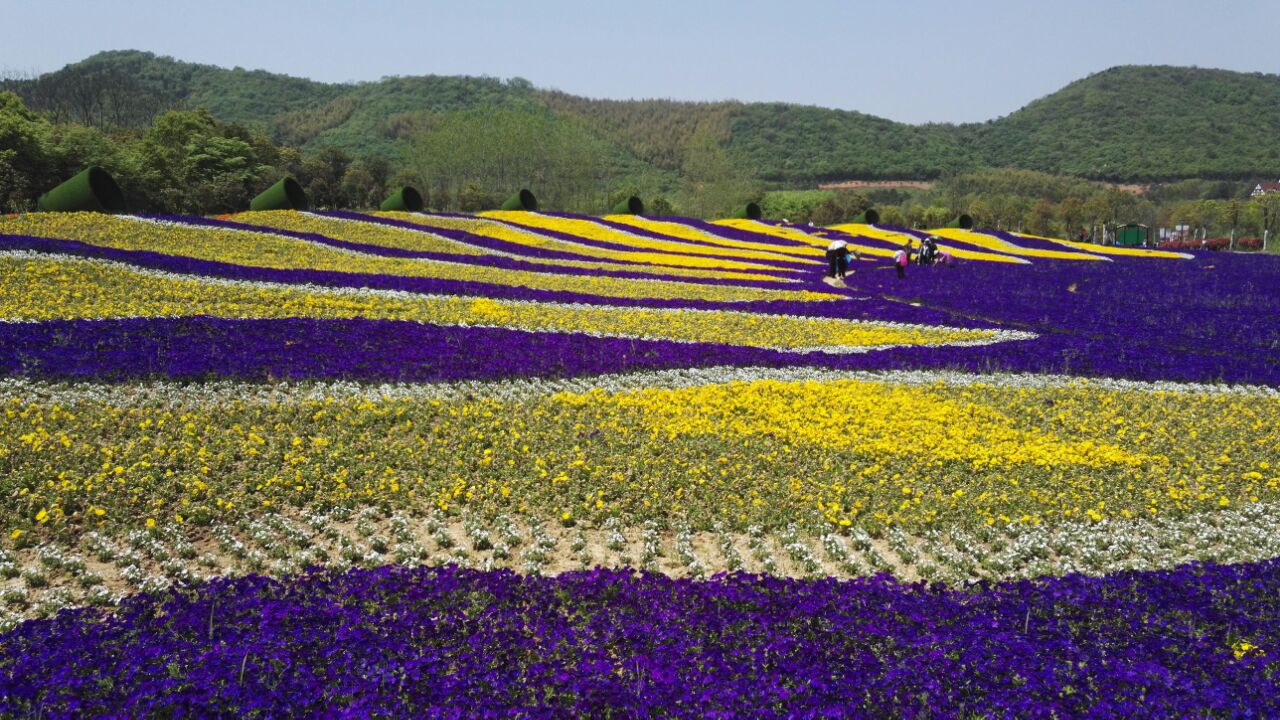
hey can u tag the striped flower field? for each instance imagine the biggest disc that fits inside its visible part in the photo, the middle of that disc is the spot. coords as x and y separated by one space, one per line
546 465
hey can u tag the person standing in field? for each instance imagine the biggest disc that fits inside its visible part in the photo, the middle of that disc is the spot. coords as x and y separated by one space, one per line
901 257
837 258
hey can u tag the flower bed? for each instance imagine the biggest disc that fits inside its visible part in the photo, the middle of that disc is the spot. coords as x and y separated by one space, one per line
447 642
185 401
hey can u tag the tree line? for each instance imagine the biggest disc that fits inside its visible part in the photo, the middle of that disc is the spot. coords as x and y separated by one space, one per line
189 161
1044 204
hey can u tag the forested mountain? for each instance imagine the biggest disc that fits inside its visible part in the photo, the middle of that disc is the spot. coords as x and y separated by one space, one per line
1146 123
1125 124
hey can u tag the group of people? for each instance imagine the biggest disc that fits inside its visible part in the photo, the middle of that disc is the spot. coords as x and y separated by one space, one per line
839 252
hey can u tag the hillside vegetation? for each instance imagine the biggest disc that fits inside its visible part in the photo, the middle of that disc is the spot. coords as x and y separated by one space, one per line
1124 124
182 137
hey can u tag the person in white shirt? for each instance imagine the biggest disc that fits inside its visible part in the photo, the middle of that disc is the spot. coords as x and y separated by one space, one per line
837 258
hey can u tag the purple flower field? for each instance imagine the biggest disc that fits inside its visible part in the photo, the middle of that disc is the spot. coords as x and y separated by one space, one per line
288 546
449 642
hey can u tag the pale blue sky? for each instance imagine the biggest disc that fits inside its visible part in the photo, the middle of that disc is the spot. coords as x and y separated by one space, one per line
911 60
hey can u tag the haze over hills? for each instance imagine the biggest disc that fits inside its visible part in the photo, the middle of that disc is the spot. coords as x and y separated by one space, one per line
1132 123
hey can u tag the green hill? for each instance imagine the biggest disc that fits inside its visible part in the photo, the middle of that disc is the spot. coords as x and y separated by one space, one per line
1127 124
1146 123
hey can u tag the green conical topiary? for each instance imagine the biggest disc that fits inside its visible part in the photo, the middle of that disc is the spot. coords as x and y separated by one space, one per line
406 199
286 194
523 200
92 190
630 206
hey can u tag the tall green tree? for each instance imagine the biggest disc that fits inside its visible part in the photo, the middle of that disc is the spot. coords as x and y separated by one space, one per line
25 161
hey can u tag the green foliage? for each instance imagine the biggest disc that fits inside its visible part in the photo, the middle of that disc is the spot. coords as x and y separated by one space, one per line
24 158
186 137
1145 123
793 205
797 144
713 185
497 151
192 162
661 207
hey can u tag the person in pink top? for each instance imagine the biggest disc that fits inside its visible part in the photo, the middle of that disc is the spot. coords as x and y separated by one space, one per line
901 258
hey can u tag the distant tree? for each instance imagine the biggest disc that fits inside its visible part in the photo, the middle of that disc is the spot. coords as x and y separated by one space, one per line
1231 211
322 176
472 198
794 205
840 207
935 216
1071 213
25 162
714 185
220 172
617 196
660 206
360 187
1040 217
982 213
188 161
500 150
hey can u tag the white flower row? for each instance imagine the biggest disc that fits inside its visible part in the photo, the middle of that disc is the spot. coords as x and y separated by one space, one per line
175 394
37 581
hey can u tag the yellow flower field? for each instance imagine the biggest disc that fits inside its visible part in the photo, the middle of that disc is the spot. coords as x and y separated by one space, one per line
39 288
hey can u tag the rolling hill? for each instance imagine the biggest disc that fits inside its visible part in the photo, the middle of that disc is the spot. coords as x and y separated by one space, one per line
1132 123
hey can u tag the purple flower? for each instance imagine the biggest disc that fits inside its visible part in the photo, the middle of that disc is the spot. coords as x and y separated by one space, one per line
446 642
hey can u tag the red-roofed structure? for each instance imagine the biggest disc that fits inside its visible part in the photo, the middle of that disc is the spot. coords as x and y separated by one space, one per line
1264 188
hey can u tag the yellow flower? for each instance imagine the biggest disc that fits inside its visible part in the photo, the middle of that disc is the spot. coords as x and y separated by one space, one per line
42 516
1244 648
151 522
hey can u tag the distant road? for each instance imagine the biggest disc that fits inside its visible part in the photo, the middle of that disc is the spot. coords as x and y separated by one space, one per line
1131 188
856 184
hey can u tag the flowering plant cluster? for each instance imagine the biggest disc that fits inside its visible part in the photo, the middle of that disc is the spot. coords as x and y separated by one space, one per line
185 401
449 642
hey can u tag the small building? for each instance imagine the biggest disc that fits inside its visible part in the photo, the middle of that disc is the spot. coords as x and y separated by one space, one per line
1131 235
1263 188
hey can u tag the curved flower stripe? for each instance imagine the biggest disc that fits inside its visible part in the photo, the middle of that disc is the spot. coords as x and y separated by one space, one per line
876 309
36 288
514 238
894 237
361 238
1100 249
587 229
992 242
721 228
1190 327
852 450
494 644
199 348
866 239
282 251
374 235
684 231
346 233
814 240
